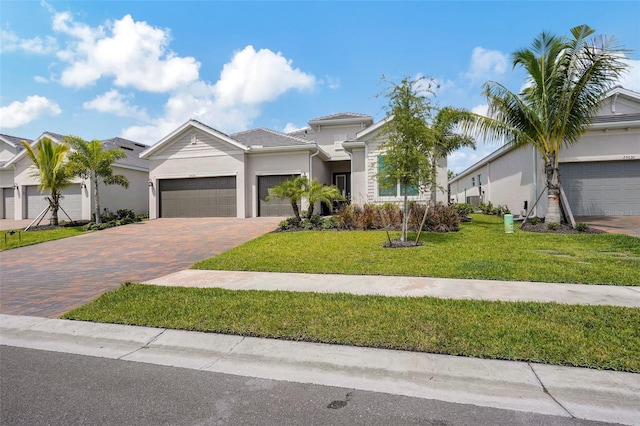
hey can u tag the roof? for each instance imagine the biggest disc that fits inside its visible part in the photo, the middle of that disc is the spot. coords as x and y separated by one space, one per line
615 118
342 117
14 141
267 138
131 148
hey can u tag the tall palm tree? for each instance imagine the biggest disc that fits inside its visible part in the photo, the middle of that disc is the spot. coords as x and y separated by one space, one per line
89 160
446 140
567 78
316 192
293 190
49 158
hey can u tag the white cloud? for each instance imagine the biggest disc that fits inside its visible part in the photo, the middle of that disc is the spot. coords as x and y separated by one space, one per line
17 113
485 63
11 42
134 53
40 79
482 109
254 77
290 127
333 82
631 79
114 102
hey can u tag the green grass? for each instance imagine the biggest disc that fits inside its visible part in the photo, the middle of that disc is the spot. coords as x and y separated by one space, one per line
602 337
36 237
481 250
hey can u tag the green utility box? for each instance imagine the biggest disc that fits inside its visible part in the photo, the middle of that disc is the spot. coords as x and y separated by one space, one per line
508 224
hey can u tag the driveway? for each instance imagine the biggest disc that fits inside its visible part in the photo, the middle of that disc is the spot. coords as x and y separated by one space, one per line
629 225
52 278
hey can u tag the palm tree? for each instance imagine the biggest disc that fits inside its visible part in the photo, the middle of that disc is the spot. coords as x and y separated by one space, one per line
565 87
293 190
446 141
90 161
316 192
49 160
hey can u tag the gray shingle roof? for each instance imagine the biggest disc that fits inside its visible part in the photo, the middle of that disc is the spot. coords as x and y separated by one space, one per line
131 148
343 116
15 140
267 138
616 118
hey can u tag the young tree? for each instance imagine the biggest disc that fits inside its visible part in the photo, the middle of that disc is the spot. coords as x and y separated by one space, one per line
408 150
293 190
446 140
49 159
89 160
316 192
567 78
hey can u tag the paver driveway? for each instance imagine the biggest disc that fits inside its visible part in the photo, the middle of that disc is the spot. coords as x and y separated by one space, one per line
52 278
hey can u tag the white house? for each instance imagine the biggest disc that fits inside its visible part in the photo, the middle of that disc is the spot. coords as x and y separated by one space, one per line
199 171
600 173
21 198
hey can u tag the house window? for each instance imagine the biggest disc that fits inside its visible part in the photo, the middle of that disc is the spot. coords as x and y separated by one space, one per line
395 189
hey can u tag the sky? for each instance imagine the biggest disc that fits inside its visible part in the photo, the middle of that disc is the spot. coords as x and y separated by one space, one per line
140 69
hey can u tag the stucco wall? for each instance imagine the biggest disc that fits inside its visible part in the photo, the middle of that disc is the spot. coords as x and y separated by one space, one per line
136 197
325 138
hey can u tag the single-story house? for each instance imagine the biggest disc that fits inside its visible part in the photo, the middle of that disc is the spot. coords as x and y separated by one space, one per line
22 199
198 171
600 174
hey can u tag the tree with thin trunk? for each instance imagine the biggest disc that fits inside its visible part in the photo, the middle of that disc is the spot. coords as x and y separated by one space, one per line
446 140
406 154
49 159
291 189
316 192
90 160
565 87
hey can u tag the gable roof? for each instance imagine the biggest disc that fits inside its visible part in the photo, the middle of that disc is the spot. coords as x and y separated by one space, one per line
131 148
14 141
167 140
267 138
53 136
342 118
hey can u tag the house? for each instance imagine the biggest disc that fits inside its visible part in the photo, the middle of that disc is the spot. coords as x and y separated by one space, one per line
22 199
198 171
600 174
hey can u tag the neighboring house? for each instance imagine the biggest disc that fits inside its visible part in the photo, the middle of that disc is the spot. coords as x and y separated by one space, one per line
198 171
600 174
21 198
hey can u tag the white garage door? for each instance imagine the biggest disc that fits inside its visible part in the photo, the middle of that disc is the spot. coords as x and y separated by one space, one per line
7 203
71 202
609 188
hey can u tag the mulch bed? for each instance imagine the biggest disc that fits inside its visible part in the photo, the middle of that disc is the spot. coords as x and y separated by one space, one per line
563 229
64 225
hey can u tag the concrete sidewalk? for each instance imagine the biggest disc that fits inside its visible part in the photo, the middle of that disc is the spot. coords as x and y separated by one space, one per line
407 286
605 396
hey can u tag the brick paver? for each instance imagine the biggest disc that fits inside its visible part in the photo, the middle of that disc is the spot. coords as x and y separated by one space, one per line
52 278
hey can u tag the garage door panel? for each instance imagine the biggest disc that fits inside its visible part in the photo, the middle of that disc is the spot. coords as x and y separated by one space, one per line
274 207
7 203
602 188
71 202
198 197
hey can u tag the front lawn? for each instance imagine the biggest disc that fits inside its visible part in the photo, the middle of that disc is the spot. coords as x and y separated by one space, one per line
603 337
36 237
481 250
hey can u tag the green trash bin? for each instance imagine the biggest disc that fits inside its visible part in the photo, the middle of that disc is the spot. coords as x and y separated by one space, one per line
508 224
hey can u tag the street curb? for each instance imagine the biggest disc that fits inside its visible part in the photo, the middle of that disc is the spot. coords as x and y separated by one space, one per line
582 393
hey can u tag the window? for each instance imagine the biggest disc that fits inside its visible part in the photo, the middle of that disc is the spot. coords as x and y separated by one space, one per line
479 180
394 189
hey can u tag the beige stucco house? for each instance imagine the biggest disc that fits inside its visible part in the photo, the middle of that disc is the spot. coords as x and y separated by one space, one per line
600 174
21 198
198 171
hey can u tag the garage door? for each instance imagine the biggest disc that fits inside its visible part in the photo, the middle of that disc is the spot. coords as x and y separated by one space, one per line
71 202
602 188
7 203
275 206
198 197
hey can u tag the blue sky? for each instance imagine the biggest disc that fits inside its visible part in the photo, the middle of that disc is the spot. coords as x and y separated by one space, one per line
139 69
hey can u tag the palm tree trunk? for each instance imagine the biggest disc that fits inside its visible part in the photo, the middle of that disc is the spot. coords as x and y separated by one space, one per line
296 210
94 182
553 191
54 202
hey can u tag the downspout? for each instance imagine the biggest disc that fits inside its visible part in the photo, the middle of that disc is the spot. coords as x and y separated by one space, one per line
350 154
311 163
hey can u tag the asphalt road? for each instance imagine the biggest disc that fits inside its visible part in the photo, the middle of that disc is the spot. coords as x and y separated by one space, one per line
38 388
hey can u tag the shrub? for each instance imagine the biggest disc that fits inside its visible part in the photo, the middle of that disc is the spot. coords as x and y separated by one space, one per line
582 227
486 208
289 224
369 218
330 222
552 226
501 210
442 219
463 209
348 216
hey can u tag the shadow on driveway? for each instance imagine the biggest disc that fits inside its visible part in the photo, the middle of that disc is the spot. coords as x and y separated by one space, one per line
52 278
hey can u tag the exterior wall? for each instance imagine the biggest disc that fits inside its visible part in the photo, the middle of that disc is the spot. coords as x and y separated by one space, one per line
296 163
359 176
325 138
7 152
114 197
605 145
